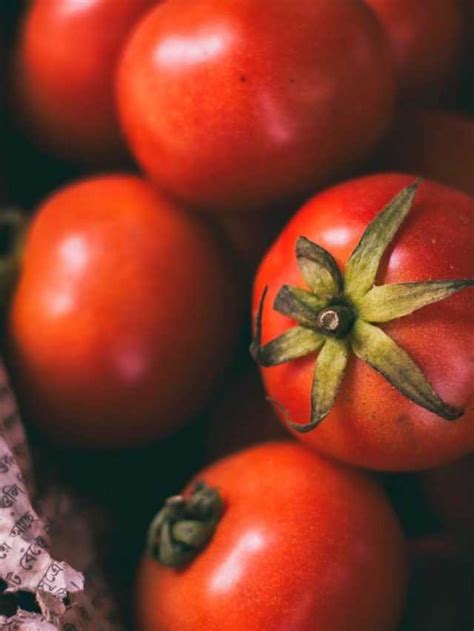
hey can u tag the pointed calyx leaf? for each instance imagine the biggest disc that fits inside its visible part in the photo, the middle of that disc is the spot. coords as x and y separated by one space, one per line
295 343
329 372
299 304
387 302
376 348
318 268
298 341
184 526
361 268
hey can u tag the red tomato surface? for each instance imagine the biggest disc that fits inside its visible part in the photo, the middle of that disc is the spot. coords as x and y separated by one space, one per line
123 316
426 38
434 144
303 545
238 105
64 73
371 423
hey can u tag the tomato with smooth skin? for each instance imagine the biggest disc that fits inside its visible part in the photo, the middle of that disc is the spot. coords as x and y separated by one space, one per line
302 544
123 316
64 74
434 144
372 424
240 105
426 39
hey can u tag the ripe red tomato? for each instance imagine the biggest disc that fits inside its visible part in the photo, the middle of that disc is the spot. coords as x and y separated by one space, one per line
372 424
303 545
64 73
426 38
434 144
123 315
239 105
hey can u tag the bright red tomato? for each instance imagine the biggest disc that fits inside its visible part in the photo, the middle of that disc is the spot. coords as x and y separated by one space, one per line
64 73
434 144
426 38
371 423
123 315
303 545
239 105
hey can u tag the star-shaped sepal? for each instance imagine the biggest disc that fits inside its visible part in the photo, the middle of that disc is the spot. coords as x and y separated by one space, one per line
338 313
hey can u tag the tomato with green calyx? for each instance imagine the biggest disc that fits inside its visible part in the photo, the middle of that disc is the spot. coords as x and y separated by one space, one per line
242 105
274 537
123 316
405 401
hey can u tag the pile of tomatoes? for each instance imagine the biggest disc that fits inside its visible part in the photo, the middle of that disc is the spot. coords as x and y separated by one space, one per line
165 156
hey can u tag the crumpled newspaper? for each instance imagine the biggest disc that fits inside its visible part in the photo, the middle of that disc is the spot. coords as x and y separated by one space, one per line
37 546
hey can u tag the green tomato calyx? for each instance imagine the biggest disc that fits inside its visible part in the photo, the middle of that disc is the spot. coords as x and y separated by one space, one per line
337 316
184 526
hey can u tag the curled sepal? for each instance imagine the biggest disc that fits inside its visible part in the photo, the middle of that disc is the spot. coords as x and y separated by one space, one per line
376 348
299 304
184 526
329 373
387 302
294 343
318 268
361 268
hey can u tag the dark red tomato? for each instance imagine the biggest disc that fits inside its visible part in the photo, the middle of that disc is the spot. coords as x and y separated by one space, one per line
123 315
303 545
450 491
64 73
238 105
371 423
426 38
434 144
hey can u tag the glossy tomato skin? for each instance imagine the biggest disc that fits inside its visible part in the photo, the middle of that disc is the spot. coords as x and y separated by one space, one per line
303 545
426 39
64 74
371 423
123 315
434 144
240 105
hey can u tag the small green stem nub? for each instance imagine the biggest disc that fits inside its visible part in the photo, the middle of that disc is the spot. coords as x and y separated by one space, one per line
184 526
